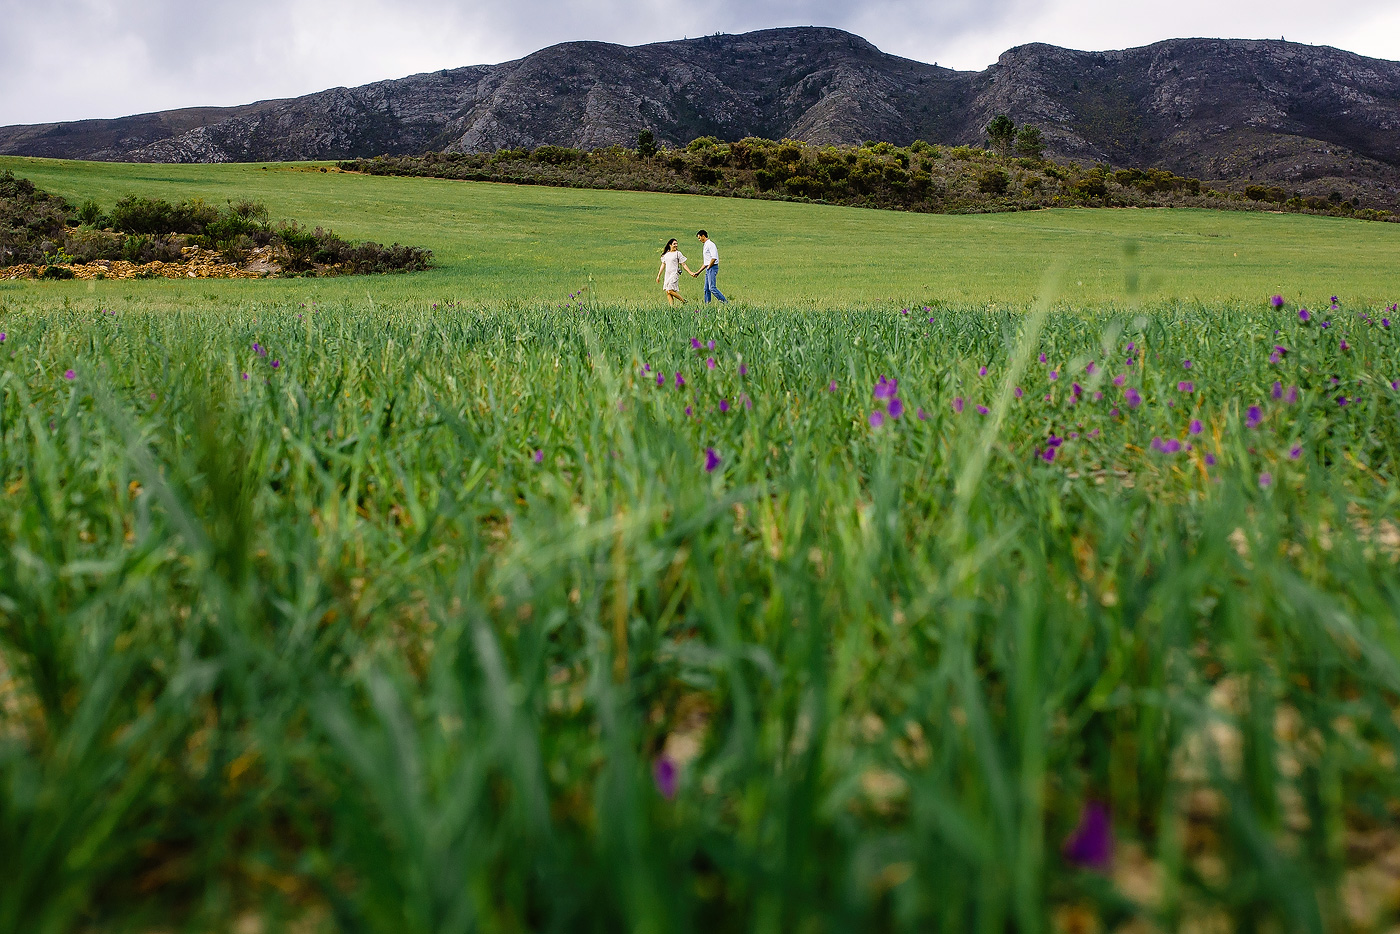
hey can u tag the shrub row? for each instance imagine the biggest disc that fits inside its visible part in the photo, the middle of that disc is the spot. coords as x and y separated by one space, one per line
920 177
36 227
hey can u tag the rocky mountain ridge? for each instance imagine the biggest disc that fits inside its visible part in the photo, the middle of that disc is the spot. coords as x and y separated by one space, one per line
1263 110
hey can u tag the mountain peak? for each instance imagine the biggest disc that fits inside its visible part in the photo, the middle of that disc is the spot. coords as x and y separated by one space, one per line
1215 108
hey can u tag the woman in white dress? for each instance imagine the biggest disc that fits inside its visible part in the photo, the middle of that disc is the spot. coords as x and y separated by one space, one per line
672 262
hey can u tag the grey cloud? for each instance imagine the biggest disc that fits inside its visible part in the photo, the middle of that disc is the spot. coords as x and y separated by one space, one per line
86 58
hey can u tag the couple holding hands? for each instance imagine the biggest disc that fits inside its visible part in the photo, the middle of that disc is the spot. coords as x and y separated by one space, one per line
673 261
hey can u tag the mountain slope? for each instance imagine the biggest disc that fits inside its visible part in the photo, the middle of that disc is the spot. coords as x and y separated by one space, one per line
1226 109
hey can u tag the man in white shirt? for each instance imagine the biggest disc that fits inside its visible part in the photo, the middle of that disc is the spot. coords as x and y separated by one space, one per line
710 254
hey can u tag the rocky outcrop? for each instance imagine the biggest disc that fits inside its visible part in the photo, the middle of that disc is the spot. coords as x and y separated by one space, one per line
1268 110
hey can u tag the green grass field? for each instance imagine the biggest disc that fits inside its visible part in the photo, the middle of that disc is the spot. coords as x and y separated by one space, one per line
498 243
504 616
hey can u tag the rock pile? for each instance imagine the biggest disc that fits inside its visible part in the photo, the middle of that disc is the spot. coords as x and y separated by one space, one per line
196 263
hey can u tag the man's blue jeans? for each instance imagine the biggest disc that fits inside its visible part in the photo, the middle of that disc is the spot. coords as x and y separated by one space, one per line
711 273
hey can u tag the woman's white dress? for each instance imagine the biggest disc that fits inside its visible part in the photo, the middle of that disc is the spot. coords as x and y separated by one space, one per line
671 281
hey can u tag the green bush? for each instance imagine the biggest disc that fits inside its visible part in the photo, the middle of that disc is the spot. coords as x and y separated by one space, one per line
556 155
705 174
993 181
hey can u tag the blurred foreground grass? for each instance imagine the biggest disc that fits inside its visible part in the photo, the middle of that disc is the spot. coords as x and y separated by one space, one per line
401 620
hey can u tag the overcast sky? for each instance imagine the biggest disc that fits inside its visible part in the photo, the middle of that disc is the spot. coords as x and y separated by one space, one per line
107 58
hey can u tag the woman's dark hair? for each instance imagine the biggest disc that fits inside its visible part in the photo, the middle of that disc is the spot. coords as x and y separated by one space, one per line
667 247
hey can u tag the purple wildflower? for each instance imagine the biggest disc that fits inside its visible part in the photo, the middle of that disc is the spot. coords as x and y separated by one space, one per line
724 405
1277 301
895 408
1295 452
539 455
1098 396
1186 364
709 345
1196 427
665 774
1054 375
831 387
1113 413
1090 368
1277 390
1210 460
1265 480
982 410
886 388
1132 397
711 460
1018 392
1385 323
1185 386
1076 390
1054 441
958 405
1343 400
69 374
743 369
1042 358
877 418
709 363
923 416
981 371
904 311
1048 455
1091 843
1304 315
1120 379
680 380
1344 346
1131 346
1326 324
1291 397
2 337
688 411
277 364
695 343
1254 417
660 379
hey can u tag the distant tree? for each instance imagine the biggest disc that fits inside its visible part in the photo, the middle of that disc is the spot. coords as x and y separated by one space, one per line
646 144
1001 132
1030 143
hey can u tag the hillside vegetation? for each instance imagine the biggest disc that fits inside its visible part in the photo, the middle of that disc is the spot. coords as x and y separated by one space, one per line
919 177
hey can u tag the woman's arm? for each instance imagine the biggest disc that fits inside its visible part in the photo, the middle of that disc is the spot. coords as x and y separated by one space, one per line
661 270
687 269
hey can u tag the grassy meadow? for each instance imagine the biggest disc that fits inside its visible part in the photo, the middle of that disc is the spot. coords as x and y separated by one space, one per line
461 607
502 243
